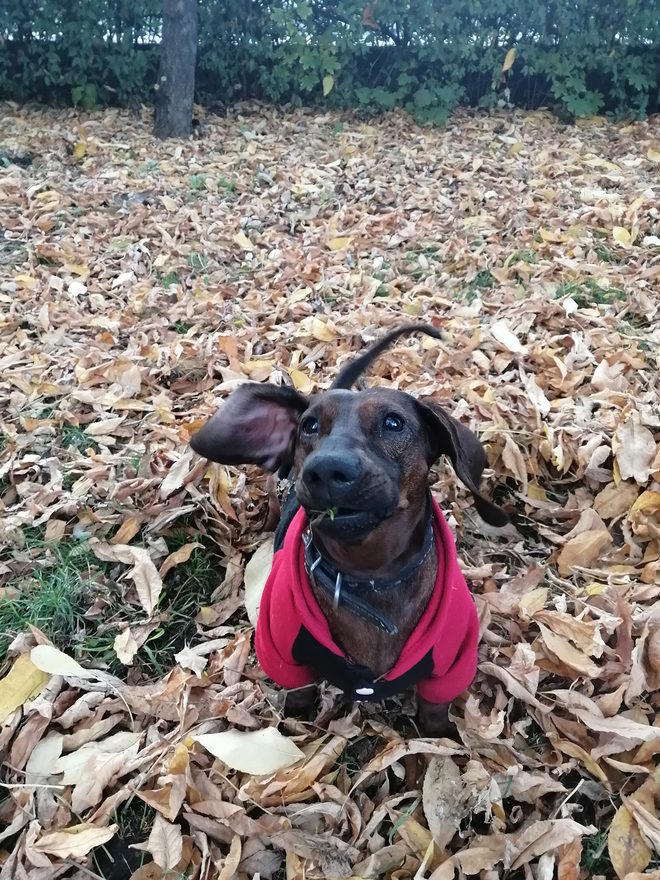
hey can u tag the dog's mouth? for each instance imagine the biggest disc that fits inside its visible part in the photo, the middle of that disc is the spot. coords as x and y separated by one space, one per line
343 522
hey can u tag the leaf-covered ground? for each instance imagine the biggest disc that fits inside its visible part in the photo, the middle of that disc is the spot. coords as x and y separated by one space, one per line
140 282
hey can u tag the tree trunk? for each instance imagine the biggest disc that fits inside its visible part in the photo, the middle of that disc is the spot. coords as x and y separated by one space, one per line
175 88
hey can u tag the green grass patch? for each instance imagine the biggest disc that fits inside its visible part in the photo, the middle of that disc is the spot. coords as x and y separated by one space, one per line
484 279
522 257
116 859
170 279
53 594
63 580
595 858
589 293
73 436
197 182
197 262
604 253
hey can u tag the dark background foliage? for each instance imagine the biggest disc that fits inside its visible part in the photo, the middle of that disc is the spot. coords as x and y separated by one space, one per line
427 56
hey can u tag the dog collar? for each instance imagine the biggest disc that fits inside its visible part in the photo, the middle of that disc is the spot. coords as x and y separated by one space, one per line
347 590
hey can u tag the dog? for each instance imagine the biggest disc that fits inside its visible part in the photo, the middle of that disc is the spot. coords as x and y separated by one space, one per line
365 590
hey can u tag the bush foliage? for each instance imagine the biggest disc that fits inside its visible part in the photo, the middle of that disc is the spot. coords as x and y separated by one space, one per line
427 56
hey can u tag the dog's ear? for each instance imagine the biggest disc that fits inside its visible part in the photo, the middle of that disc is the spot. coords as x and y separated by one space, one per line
446 436
255 425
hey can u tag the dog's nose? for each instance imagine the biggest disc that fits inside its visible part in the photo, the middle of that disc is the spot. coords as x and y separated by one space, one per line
332 474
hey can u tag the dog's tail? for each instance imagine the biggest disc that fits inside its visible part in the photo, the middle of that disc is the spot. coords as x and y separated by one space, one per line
349 374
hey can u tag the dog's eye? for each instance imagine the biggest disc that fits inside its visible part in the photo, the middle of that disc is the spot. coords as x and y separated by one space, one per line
393 422
310 426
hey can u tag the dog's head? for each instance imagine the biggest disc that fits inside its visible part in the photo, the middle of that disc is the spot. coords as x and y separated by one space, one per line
358 456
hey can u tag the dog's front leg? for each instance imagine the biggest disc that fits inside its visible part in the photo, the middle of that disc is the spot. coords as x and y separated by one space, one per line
299 703
434 719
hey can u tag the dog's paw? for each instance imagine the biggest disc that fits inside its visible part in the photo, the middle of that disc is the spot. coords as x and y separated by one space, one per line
301 703
434 720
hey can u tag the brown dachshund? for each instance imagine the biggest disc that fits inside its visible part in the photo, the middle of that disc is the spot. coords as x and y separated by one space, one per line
365 590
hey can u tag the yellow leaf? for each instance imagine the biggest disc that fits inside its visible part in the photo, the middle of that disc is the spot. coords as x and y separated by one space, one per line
648 502
258 752
595 589
338 244
23 681
243 241
26 281
170 204
319 329
551 235
328 83
79 150
621 234
301 381
509 59
653 154
536 492
625 844
183 554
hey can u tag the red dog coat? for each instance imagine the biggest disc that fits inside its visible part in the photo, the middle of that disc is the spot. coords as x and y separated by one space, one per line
295 647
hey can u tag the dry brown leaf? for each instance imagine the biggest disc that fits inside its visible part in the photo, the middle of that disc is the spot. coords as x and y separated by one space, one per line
545 836
634 449
125 646
626 847
442 795
144 574
179 556
614 500
165 843
564 651
582 550
76 841
256 574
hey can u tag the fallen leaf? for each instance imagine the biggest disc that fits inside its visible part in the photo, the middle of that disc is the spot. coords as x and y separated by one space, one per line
144 574
582 550
258 752
55 662
257 570
165 843
634 449
23 681
501 332
626 847
125 646
243 241
178 557
621 234
76 841
442 794
339 243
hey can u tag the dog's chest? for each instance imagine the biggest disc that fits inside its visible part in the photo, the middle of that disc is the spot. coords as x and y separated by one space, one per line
364 642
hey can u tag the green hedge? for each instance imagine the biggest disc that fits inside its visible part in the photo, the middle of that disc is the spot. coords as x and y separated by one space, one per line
427 56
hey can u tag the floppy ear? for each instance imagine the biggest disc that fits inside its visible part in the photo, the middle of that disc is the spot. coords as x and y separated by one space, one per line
446 436
255 425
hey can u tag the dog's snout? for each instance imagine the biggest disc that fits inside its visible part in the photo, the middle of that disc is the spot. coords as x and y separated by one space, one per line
332 474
